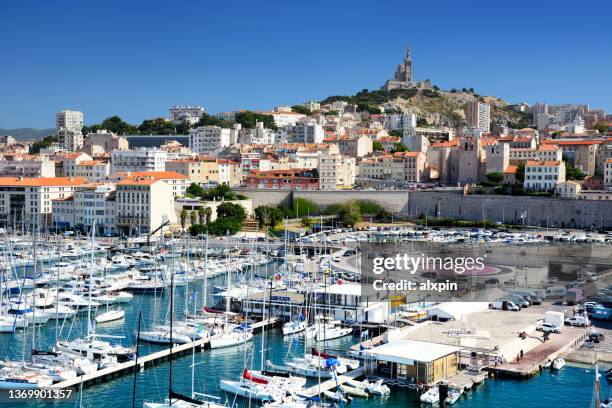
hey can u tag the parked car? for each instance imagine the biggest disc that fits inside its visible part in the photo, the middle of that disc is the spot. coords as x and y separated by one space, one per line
547 327
596 337
580 321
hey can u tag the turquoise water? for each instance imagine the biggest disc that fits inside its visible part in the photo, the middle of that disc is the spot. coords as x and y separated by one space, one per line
569 388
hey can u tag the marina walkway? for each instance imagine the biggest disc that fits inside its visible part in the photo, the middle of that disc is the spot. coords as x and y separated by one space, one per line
148 360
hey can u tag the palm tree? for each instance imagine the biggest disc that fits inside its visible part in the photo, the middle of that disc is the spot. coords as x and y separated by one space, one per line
183 216
208 211
193 216
201 215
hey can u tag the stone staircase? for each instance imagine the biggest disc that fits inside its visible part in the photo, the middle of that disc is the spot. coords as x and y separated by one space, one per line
250 226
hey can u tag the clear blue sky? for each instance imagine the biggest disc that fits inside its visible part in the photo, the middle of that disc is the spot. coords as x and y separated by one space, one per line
136 58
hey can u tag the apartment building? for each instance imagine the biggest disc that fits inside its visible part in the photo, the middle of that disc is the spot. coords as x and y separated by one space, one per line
143 159
284 117
186 113
26 166
336 172
69 126
105 141
178 183
90 203
93 170
545 152
259 135
202 170
401 166
543 175
352 147
293 179
143 204
70 162
579 153
608 175
28 200
302 132
209 139
230 172
478 116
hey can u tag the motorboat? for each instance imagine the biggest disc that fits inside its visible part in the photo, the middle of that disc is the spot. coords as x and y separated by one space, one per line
431 396
358 392
337 396
95 349
23 379
558 363
110 316
453 395
377 387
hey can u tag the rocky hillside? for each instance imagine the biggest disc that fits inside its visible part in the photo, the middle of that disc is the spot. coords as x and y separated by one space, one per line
433 107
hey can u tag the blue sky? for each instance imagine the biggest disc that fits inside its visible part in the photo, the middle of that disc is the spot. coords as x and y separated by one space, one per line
135 59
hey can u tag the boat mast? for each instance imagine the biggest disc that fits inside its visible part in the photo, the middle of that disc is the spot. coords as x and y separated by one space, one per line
93 237
136 360
171 334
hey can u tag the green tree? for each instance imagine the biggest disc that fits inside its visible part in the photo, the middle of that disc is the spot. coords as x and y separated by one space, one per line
399 147
231 211
208 214
208 120
396 133
197 229
350 214
114 124
377 146
301 109
194 190
183 216
248 119
520 173
268 216
573 173
193 216
201 215
495 177
302 206
331 113
602 127
45 142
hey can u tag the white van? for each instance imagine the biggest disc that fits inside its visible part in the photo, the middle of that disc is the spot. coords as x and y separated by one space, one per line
556 291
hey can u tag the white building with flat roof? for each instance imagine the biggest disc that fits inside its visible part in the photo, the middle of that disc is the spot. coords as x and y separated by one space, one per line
143 159
209 139
69 125
478 116
186 113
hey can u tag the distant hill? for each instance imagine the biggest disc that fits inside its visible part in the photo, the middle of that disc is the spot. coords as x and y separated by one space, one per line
24 134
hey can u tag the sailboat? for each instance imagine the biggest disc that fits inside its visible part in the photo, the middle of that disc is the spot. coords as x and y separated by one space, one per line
176 400
230 334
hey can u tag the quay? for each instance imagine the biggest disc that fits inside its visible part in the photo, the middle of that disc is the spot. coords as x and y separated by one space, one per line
148 360
534 360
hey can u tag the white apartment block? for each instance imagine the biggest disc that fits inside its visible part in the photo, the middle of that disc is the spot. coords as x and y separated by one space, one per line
29 199
69 120
478 116
69 125
543 175
336 172
143 204
93 170
186 113
401 121
22 167
302 132
90 203
608 175
258 135
70 162
143 159
209 139
285 118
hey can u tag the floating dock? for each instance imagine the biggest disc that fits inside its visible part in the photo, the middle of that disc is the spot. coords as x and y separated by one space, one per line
333 383
148 360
